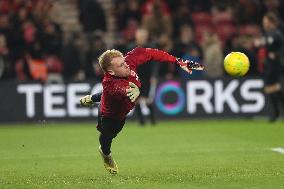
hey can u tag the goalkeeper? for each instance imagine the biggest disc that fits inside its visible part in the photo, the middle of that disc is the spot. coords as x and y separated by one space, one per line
120 90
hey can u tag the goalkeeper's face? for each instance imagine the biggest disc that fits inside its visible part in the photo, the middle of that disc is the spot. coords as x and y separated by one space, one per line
119 67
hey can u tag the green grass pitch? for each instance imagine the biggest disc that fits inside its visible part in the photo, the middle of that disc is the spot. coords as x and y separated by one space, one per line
174 154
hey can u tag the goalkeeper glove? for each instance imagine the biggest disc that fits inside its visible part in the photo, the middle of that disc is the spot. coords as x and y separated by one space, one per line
86 100
133 92
189 65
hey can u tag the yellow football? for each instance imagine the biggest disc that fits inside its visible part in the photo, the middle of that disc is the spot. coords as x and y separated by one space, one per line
236 64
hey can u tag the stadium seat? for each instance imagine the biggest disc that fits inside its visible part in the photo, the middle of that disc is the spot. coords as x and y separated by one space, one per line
222 17
249 29
200 29
201 18
225 31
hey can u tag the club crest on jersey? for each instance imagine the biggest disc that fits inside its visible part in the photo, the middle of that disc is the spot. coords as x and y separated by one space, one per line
133 73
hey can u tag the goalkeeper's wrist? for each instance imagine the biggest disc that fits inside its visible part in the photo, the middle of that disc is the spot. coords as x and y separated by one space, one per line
96 97
179 60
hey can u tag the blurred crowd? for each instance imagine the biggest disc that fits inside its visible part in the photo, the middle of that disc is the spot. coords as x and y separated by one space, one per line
34 47
30 42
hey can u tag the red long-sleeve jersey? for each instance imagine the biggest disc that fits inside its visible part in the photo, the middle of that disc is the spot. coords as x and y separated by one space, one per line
115 103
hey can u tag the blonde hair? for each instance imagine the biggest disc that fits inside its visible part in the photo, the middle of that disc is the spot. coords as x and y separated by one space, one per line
106 58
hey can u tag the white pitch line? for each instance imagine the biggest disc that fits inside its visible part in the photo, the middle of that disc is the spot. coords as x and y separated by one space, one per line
279 149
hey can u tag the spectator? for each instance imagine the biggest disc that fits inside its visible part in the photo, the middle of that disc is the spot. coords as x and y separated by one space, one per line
186 41
92 15
275 6
40 9
5 26
147 77
73 65
181 17
169 71
33 44
200 6
186 48
156 18
51 37
273 40
128 10
92 68
128 33
213 55
6 67
248 12
247 47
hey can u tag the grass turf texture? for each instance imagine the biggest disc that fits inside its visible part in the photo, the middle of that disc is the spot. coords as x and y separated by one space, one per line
174 154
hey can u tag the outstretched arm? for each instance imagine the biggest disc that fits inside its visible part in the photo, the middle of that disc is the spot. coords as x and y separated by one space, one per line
143 55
